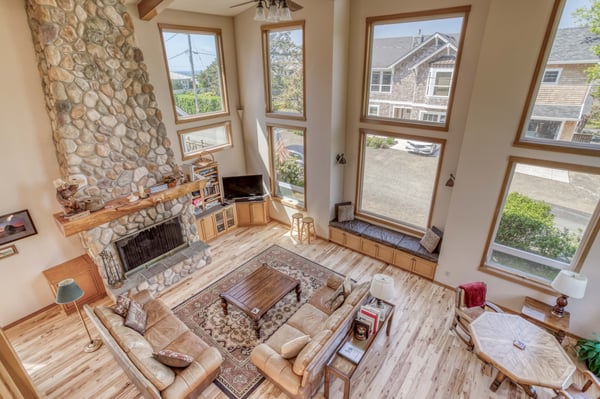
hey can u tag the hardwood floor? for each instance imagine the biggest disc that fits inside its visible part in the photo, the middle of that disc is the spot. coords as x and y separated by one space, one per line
420 359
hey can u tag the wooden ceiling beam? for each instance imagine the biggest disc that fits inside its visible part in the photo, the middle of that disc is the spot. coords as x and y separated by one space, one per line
149 9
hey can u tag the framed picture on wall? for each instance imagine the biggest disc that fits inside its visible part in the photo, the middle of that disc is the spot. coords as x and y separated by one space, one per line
5 252
16 225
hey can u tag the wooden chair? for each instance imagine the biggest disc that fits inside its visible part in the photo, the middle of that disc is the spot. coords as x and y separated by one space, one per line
576 392
463 316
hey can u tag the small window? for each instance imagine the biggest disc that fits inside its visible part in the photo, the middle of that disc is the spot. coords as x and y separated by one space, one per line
564 94
287 165
194 60
551 76
547 219
374 110
412 62
283 45
397 179
436 117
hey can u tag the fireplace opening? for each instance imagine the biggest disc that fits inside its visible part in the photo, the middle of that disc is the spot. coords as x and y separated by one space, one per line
150 245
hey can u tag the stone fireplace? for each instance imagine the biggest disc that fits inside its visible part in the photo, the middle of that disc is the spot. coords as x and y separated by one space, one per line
108 129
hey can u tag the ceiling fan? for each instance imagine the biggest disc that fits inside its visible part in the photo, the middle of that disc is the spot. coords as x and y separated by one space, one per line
292 5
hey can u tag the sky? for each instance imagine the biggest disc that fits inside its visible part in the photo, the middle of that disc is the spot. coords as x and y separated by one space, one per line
428 27
203 47
567 20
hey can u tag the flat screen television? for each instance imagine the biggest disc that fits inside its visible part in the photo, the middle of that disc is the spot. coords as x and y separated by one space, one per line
235 187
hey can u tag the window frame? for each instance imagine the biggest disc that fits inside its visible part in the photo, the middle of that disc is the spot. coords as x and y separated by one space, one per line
379 219
265 30
272 177
460 11
220 58
536 82
191 155
587 239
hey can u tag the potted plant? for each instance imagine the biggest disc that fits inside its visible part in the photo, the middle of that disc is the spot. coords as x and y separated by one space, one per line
588 350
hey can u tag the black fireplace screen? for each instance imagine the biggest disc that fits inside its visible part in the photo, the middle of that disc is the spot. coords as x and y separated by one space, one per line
149 244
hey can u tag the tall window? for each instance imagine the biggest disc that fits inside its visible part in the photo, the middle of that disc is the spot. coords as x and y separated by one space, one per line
194 59
283 46
287 164
564 94
397 179
412 61
547 218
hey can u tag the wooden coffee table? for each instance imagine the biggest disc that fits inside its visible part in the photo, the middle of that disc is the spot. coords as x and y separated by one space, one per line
258 292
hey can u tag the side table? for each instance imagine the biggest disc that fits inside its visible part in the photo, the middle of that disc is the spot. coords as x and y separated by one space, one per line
343 368
539 313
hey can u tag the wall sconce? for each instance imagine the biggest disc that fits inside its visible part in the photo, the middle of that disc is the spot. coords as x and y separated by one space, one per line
450 181
340 159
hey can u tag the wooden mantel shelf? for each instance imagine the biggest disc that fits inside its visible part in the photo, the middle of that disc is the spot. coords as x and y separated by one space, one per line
121 207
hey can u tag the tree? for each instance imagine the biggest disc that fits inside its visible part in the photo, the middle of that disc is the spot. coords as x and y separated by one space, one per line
287 79
528 224
590 18
209 79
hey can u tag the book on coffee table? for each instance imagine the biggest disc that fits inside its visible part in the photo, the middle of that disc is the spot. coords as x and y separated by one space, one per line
351 352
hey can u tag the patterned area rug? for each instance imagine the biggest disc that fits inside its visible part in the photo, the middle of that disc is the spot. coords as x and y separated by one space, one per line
234 334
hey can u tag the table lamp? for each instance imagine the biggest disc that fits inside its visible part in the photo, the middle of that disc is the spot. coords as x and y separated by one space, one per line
568 284
382 288
69 291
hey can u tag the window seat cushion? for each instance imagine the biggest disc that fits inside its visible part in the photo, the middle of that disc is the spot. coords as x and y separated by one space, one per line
385 236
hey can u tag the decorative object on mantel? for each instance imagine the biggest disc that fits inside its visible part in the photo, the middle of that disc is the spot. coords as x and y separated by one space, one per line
568 284
205 159
8 251
16 225
69 291
114 276
65 194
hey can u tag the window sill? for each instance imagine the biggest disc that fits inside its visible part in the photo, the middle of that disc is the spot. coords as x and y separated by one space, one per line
518 279
289 204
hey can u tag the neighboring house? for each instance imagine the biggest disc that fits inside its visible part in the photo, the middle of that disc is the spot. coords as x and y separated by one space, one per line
563 103
180 82
411 77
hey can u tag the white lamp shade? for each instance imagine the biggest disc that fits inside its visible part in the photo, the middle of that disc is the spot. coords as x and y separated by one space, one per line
570 284
382 287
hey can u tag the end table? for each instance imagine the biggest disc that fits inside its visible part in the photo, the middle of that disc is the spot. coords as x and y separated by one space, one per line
539 313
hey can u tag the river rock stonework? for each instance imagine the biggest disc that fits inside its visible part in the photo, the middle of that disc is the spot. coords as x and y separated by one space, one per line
105 119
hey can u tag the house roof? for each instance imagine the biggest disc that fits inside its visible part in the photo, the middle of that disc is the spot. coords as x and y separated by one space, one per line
572 45
179 76
556 112
389 51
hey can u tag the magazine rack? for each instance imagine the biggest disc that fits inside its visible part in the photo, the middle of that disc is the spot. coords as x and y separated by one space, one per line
344 363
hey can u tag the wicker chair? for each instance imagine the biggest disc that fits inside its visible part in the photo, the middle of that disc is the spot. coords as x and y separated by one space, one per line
576 392
463 316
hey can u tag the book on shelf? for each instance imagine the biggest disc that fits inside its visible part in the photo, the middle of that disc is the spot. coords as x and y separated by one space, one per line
351 352
370 315
375 309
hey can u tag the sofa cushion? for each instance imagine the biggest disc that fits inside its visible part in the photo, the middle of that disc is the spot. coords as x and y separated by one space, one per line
307 353
291 348
320 299
156 311
173 359
128 338
283 334
186 379
359 291
308 319
188 343
136 317
276 368
164 331
108 317
347 286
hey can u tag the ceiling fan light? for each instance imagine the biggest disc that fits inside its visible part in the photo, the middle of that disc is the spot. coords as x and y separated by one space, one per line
273 14
284 12
259 15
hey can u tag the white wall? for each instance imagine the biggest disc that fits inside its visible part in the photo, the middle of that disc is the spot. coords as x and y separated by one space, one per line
147 36
321 127
511 43
28 165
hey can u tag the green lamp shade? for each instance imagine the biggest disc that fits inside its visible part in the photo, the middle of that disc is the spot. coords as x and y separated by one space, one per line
68 291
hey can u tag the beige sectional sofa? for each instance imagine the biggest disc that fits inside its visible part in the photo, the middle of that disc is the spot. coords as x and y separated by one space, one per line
301 376
133 351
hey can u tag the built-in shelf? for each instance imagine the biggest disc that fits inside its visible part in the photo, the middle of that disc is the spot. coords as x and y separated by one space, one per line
121 207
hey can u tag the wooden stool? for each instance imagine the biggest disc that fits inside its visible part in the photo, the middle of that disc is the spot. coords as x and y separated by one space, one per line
307 223
297 220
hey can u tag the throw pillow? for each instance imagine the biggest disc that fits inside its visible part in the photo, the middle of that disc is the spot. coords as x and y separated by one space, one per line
136 317
334 282
291 348
122 305
337 302
173 359
338 292
345 213
430 240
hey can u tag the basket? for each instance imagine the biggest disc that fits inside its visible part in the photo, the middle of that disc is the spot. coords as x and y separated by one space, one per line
206 158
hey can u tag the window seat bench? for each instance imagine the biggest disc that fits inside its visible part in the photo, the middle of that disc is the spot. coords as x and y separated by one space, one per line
387 245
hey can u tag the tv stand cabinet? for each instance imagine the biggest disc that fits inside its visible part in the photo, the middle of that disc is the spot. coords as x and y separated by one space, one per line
255 212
